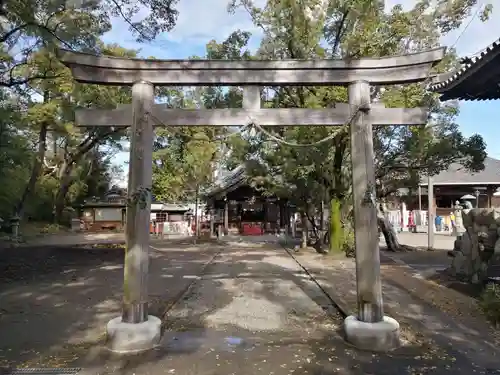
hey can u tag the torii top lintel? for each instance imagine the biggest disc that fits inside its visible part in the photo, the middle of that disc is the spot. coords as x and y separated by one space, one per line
108 70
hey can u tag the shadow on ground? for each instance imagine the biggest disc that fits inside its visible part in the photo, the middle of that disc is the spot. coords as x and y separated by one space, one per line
253 311
445 279
59 299
431 316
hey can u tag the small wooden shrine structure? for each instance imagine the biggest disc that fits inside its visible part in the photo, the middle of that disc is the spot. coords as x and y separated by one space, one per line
109 213
239 208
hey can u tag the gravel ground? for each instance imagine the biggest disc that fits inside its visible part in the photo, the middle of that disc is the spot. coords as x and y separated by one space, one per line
255 311
55 301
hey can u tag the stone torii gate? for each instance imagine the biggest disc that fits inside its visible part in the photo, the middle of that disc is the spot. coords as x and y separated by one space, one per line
135 330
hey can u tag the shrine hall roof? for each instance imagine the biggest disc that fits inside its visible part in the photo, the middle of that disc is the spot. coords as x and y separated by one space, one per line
458 175
228 182
478 79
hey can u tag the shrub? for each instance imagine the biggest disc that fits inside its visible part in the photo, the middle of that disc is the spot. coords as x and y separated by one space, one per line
50 229
348 246
490 303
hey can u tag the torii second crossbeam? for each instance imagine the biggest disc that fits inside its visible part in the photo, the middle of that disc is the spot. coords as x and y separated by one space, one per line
164 116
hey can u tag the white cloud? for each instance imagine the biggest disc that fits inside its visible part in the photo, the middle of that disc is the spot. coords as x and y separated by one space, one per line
202 20
199 21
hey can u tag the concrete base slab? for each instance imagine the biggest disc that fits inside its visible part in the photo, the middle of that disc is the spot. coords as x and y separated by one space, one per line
125 338
380 337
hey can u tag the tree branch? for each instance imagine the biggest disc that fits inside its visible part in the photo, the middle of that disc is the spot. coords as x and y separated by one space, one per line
129 21
8 34
340 33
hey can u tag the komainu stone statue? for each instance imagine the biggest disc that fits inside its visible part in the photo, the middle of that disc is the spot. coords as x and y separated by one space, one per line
474 248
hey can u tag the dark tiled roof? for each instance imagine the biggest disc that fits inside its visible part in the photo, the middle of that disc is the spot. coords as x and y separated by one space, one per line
171 207
228 181
458 175
478 79
96 204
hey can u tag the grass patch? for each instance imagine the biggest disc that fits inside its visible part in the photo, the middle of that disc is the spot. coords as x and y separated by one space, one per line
489 301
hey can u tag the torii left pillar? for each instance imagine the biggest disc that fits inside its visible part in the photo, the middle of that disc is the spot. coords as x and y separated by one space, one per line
135 330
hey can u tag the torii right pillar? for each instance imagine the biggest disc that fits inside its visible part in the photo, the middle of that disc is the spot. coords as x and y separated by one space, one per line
370 329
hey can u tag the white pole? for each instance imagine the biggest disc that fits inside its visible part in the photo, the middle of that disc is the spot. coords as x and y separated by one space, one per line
419 198
430 213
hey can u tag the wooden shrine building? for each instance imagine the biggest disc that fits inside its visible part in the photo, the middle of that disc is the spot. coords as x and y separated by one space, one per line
109 213
241 208
477 79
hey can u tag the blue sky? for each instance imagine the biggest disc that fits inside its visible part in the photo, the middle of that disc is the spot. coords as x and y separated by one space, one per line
202 20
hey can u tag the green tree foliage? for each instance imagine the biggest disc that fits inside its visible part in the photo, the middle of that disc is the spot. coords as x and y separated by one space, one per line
354 29
185 158
52 163
28 25
52 119
47 164
57 164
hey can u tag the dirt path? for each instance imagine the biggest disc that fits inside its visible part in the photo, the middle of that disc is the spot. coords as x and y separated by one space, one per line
256 311
252 309
52 297
441 241
431 316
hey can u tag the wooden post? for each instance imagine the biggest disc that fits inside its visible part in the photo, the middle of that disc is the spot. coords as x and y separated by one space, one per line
430 213
282 217
322 216
322 222
138 211
251 97
370 308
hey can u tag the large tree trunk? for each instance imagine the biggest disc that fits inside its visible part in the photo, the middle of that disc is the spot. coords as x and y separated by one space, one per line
35 171
311 222
65 170
390 236
37 165
64 177
319 245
